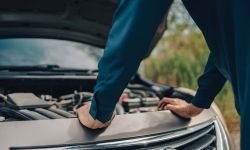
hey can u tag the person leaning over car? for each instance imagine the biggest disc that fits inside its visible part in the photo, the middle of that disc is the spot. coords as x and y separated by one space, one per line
225 25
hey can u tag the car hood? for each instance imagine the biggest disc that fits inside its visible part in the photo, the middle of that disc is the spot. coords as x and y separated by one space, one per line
87 21
69 132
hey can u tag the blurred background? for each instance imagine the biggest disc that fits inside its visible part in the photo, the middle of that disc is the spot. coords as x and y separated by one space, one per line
179 60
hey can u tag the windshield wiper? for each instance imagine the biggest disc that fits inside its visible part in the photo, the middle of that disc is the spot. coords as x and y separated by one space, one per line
29 68
47 68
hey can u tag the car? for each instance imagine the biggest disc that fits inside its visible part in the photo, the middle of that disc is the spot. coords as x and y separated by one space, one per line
49 52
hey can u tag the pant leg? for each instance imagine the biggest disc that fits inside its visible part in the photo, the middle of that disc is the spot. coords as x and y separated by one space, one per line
241 54
134 25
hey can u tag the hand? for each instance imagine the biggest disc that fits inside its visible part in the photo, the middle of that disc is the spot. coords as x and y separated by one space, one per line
88 121
179 107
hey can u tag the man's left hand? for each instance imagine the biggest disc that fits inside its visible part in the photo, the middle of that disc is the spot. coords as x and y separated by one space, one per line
88 121
179 107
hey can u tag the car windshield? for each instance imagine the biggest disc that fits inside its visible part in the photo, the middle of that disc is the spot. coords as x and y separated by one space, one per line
33 51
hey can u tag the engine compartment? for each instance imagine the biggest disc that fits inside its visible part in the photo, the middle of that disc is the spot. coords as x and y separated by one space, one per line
140 96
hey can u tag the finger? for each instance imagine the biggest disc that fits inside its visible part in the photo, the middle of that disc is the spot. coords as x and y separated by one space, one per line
109 122
160 103
84 121
162 106
164 101
99 125
171 107
81 110
172 101
106 124
85 118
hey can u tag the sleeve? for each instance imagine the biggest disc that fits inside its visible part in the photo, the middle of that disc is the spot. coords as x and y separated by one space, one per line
134 25
210 83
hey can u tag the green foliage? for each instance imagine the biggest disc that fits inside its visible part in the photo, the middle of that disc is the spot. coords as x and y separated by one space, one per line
179 59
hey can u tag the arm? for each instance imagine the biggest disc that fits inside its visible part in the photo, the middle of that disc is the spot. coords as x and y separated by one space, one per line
210 83
134 25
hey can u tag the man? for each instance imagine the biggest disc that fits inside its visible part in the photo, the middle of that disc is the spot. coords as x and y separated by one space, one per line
226 27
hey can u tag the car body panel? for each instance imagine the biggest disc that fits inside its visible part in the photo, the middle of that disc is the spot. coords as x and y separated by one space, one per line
61 19
64 132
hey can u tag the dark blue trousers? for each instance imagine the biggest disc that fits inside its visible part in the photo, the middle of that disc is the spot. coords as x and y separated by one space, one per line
226 27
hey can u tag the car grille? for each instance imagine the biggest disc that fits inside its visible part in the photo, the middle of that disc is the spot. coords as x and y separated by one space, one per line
199 137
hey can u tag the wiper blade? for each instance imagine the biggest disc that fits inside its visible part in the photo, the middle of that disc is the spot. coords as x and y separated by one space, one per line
46 68
29 68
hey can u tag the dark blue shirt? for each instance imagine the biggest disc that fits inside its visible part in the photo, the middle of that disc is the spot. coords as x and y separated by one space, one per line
226 27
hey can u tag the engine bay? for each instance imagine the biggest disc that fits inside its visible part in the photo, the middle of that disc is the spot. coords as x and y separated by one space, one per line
140 96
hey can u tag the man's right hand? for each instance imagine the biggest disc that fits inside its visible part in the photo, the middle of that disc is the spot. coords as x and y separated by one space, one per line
179 107
88 121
